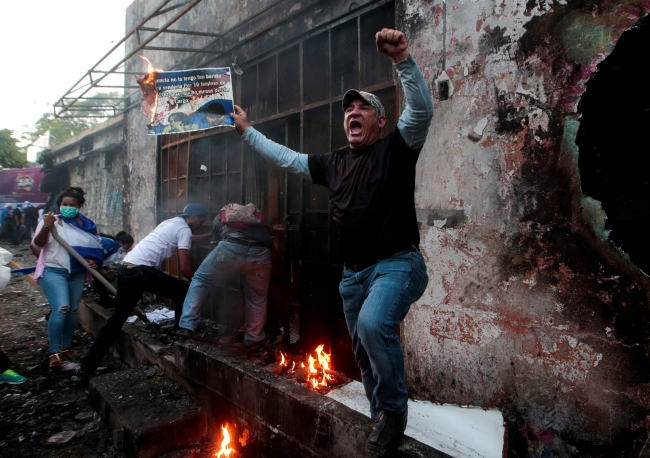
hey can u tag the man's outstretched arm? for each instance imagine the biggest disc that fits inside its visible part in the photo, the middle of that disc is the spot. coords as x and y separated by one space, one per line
414 122
280 155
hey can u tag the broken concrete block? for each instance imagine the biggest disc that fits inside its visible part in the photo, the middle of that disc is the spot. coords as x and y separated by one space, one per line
275 368
155 414
83 417
302 374
476 134
62 438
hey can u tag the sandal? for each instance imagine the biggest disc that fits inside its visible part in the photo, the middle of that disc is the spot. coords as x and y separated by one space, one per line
67 354
55 360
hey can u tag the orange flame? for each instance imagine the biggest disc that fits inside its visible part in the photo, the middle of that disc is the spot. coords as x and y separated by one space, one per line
324 363
323 358
293 366
225 450
282 363
151 76
312 369
150 68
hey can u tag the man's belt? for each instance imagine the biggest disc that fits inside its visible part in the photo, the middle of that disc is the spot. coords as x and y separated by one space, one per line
243 242
365 265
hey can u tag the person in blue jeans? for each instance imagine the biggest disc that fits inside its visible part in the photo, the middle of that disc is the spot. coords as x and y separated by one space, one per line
60 276
371 186
240 251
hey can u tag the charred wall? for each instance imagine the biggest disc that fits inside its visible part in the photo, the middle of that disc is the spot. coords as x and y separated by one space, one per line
93 161
530 306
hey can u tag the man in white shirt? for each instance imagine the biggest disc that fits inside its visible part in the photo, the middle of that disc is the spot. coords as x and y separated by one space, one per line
140 272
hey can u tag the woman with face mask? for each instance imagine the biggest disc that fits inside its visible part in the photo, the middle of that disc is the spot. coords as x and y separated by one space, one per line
60 276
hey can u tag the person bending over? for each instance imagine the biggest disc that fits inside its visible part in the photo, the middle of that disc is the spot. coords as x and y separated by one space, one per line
140 272
240 250
371 186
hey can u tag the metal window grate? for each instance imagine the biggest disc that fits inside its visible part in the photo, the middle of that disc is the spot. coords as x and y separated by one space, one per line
268 86
315 67
316 135
345 66
339 139
249 92
389 101
289 79
375 67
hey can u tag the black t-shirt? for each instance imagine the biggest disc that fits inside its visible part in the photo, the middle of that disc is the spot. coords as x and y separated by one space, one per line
371 193
18 216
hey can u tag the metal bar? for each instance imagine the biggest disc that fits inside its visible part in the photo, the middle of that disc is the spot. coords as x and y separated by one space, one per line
163 11
182 32
119 43
91 108
118 72
86 116
118 87
93 98
259 13
194 50
188 6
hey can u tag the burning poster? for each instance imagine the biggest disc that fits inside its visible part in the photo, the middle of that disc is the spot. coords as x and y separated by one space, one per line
187 100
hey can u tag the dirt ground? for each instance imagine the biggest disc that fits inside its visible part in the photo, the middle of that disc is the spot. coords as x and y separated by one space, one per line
50 403
47 403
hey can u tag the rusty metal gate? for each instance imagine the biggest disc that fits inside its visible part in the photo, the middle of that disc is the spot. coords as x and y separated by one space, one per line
293 96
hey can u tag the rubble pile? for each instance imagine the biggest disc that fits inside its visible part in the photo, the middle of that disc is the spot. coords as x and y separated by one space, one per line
48 415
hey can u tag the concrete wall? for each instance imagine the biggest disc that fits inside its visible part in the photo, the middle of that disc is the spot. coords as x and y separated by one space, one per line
98 171
528 306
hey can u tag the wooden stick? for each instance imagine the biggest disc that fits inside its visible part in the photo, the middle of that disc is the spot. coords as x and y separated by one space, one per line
92 271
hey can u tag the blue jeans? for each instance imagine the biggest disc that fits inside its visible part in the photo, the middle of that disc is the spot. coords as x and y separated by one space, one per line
375 301
225 261
63 291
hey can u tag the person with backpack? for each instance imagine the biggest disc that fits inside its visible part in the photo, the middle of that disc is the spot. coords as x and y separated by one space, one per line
244 240
140 272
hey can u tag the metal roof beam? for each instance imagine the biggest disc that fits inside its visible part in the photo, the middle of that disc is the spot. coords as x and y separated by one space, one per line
187 6
182 32
194 50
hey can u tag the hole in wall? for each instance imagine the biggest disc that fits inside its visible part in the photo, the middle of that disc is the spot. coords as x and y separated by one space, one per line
614 142
443 90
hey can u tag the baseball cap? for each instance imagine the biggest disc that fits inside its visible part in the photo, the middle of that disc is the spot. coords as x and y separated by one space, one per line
194 209
371 99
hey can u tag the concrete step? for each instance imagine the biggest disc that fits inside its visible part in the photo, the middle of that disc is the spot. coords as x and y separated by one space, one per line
269 415
149 413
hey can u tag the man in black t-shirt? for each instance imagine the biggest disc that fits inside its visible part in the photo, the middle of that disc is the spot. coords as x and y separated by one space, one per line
371 186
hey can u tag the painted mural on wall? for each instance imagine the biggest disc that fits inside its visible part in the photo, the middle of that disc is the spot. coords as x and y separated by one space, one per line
19 185
191 100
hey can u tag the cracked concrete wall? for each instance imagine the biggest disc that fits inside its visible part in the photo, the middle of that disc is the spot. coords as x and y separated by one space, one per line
98 172
529 308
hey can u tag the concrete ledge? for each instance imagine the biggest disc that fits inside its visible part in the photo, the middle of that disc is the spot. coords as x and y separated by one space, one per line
271 416
154 414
